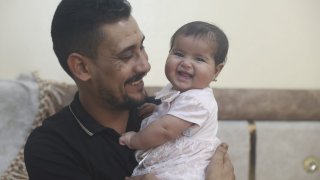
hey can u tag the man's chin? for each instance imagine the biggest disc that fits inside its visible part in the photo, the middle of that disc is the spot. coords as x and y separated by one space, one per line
138 100
133 101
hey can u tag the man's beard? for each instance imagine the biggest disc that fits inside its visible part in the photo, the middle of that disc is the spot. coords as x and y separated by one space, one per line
129 103
125 103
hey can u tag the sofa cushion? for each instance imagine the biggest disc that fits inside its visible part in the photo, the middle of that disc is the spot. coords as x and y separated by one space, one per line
236 134
284 147
25 103
18 108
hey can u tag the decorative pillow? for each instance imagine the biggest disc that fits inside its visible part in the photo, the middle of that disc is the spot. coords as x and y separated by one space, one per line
28 107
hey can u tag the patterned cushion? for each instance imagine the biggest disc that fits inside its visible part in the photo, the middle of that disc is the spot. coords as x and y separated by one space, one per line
50 100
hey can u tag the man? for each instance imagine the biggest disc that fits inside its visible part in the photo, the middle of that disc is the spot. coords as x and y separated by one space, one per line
99 44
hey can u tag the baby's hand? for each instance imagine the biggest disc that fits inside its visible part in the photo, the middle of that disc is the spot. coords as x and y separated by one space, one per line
146 109
125 139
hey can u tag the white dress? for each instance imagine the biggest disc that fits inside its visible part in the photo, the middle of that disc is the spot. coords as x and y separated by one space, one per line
186 157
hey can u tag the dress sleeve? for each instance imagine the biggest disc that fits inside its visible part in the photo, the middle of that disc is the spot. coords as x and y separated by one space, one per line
189 108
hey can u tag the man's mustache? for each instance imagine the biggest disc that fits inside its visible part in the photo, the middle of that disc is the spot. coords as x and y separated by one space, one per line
135 78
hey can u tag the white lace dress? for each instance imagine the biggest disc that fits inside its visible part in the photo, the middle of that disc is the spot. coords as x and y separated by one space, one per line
187 157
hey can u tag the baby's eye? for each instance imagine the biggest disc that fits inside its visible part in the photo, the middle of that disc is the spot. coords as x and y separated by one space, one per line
200 59
178 54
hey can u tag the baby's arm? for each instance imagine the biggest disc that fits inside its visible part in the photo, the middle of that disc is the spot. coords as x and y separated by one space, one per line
166 128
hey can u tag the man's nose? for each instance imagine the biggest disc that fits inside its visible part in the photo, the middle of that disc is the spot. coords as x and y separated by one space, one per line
143 65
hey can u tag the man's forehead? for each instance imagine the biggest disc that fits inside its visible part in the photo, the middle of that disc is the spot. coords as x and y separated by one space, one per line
123 33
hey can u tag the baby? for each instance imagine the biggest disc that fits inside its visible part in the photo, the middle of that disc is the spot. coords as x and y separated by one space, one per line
179 138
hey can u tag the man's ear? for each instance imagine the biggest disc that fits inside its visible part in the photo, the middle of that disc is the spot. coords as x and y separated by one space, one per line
78 65
219 67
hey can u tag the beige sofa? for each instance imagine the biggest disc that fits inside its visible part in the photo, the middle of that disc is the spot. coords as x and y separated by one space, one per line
272 134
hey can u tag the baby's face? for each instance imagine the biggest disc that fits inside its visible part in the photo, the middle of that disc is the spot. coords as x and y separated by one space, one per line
190 64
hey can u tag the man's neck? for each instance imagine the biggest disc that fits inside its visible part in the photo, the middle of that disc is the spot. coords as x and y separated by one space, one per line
108 117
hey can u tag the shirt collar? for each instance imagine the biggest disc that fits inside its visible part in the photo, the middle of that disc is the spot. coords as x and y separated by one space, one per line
84 119
90 126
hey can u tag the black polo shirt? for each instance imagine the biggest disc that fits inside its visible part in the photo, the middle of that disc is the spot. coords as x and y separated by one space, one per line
71 145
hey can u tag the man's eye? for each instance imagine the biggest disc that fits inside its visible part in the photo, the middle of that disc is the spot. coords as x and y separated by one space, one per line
126 55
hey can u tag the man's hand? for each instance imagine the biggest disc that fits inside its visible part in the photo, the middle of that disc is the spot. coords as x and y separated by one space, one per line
220 167
143 177
146 110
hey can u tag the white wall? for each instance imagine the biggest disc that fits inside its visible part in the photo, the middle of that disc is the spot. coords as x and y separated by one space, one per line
273 44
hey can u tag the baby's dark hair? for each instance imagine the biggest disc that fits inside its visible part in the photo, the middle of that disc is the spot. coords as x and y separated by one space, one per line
206 30
76 26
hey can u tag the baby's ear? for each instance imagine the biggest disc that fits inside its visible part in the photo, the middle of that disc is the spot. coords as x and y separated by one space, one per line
218 69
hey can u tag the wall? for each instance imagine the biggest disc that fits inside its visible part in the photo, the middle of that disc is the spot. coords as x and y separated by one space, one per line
273 44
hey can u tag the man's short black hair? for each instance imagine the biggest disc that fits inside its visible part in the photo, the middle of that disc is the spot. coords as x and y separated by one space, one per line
76 26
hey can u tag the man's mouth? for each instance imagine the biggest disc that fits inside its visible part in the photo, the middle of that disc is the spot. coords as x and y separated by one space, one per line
136 82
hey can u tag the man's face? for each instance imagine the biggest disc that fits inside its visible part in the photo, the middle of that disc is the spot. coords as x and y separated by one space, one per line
121 64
